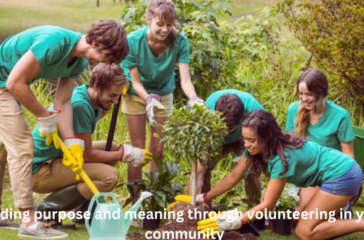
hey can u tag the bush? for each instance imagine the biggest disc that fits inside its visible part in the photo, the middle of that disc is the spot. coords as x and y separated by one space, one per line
332 32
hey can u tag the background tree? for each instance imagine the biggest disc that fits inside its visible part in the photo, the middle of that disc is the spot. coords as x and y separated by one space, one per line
332 31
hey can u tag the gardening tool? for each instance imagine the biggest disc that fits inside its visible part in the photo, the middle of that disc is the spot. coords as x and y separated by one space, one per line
114 119
114 224
119 223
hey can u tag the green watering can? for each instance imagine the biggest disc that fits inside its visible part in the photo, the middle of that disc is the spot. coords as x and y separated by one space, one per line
108 221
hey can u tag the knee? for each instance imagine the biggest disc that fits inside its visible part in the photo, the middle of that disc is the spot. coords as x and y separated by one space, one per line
111 179
303 233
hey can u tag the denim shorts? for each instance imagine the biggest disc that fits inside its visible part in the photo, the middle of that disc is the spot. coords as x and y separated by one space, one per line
347 185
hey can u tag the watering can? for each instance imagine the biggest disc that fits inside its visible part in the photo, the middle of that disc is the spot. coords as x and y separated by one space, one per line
112 224
108 222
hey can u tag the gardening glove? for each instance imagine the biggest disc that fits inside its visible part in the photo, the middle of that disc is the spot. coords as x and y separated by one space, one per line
153 102
186 199
195 100
47 127
224 221
75 147
136 156
126 89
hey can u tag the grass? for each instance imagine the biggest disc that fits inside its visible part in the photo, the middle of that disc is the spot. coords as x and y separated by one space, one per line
274 94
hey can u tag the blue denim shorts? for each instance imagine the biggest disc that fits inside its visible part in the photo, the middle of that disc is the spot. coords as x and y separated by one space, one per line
347 185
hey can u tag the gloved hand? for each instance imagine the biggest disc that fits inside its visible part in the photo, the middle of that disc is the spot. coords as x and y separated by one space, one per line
126 89
136 156
153 102
224 221
47 127
75 146
195 100
186 199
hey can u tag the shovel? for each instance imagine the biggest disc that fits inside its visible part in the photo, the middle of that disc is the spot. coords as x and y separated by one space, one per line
108 222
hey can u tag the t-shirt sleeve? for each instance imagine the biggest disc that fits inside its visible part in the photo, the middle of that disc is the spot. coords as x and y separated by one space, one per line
130 60
290 120
346 133
46 49
276 167
184 51
82 118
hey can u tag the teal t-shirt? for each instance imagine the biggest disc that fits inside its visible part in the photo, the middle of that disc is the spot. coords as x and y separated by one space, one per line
51 47
156 73
84 121
333 128
310 165
250 104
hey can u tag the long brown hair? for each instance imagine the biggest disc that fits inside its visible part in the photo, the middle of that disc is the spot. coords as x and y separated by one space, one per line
272 141
318 85
165 10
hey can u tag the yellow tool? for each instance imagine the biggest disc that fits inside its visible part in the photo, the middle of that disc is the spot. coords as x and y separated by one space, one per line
82 173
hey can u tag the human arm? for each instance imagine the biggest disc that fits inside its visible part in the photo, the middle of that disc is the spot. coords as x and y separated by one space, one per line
62 101
272 195
348 148
137 83
229 181
24 71
95 155
186 82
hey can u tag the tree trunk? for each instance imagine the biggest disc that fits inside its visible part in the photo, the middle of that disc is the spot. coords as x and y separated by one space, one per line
194 183
97 3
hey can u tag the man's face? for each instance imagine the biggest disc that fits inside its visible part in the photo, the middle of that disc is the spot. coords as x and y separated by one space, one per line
106 98
95 56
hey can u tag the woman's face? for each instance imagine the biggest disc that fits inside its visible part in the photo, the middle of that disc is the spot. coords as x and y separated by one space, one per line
159 28
306 97
250 141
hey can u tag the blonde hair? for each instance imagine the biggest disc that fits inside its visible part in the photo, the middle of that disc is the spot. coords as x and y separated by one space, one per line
165 10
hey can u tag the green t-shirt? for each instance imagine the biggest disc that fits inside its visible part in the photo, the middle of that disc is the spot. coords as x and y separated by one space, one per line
250 104
333 128
310 165
51 47
156 73
84 121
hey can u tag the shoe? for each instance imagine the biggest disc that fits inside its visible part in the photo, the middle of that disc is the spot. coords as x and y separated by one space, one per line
41 231
82 208
65 199
8 224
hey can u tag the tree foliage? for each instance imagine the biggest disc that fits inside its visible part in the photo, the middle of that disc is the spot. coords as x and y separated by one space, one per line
331 31
193 132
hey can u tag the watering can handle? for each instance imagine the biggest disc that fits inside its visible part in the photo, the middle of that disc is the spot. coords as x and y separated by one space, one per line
87 220
82 173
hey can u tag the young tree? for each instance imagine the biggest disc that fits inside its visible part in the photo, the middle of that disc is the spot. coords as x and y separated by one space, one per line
193 132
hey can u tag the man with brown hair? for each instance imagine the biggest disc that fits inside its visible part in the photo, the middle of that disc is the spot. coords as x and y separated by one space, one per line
90 104
234 105
46 52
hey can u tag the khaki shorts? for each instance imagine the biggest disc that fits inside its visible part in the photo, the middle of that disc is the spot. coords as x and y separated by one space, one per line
135 105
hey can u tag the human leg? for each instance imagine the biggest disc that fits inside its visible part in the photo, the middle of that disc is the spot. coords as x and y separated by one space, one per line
306 195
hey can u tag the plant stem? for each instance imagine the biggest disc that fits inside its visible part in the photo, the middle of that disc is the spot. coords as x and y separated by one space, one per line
194 183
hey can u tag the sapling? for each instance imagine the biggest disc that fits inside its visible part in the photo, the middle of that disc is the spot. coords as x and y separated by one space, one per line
193 133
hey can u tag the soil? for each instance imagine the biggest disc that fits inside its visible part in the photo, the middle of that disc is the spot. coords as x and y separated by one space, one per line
190 226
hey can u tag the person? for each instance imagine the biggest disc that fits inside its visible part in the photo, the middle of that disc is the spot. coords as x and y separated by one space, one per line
320 120
45 52
290 159
150 68
89 104
235 105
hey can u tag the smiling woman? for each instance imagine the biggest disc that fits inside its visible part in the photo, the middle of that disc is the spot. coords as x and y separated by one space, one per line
318 119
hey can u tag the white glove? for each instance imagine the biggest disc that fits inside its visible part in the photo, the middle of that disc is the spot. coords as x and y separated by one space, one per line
153 103
136 156
230 220
47 125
